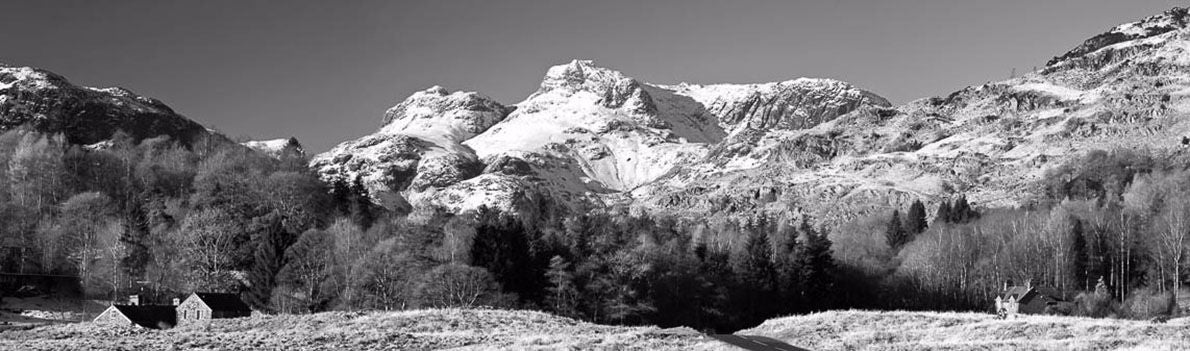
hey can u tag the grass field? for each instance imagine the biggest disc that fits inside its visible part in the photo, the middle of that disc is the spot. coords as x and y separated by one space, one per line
524 330
406 330
867 330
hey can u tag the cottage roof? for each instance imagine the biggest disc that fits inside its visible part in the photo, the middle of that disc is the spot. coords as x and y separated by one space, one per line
149 316
223 302
1016 292
1024 294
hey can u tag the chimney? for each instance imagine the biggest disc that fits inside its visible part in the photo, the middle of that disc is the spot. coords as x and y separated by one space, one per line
1028 284
1007 284
134 300
177 301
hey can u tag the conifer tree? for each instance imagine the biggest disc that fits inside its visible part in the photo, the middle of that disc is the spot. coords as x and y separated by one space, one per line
817 271
962 212
943 215
1078 255
788 271
915 219
360 205
895 234
756 276
268 259
502 247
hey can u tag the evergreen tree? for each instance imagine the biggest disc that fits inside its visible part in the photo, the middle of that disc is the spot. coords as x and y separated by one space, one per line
271 242
817 271
341 197
943 215
788 271
502 247
1078 255
962 211
360 205
134 238
915 219
895 233
756 277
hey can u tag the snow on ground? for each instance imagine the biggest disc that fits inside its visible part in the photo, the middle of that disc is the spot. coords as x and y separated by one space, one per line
1061 92
30 78
275 145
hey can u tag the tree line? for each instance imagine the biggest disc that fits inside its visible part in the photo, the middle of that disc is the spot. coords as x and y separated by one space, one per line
161 218
1109 232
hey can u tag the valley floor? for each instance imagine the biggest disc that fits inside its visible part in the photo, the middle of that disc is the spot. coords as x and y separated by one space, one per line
523 330
405 330
868 330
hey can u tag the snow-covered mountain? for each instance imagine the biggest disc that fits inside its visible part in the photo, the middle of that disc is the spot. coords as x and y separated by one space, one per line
276 147
592 135
50 103
588 135
1126 88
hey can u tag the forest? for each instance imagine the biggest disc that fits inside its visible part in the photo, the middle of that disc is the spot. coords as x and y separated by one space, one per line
159 218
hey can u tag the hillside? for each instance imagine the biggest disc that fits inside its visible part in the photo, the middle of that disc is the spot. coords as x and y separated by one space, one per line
1126 88
867 330
50 103
593 135
407 330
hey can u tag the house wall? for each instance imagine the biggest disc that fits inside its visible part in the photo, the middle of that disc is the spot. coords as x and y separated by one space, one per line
193 310
111 316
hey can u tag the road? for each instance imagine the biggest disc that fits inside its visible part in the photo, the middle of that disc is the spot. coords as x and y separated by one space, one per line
756 343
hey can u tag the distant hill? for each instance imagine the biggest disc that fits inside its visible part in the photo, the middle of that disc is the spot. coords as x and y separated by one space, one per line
52 104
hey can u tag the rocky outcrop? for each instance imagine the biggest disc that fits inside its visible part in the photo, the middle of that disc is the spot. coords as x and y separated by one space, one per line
1169 21
419 146
796 104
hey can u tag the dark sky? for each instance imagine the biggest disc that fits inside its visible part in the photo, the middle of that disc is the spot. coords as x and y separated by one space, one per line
324 71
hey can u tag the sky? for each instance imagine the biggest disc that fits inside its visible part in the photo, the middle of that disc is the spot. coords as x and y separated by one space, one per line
325 71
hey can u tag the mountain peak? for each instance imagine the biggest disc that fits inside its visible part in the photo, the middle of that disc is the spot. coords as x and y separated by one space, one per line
582 75
463 113
436 90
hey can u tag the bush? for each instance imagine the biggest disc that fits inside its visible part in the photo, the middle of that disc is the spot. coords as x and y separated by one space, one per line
1094 305
1145 303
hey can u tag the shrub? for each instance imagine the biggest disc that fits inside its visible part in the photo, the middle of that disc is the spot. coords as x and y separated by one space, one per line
1145 303
1094 305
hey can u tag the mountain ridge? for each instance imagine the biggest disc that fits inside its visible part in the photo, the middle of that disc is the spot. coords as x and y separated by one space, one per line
49 102
590 134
